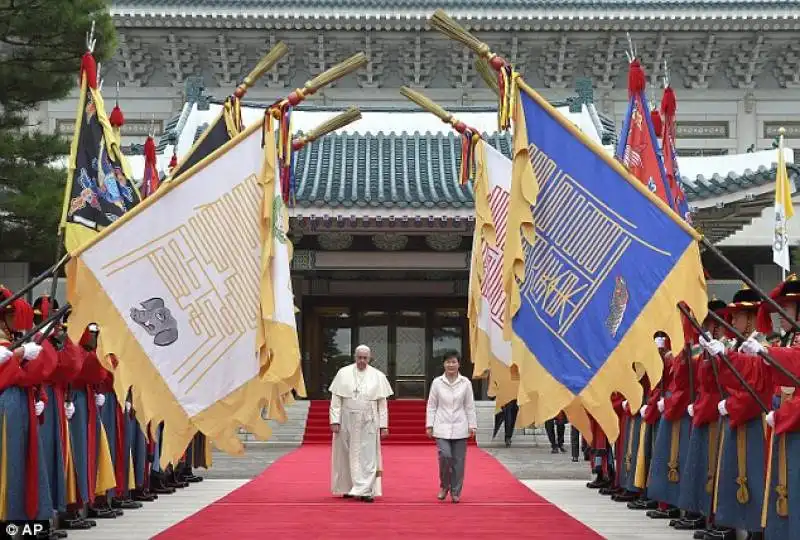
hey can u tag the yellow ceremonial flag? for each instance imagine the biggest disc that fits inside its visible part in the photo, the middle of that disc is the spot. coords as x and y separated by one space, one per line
783 212
489 348
196 299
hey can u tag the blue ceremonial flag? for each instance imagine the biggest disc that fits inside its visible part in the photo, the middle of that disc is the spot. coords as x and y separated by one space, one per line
597 266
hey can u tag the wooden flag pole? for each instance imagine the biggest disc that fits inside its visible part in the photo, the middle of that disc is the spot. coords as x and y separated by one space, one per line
739 377
763 354
337 122
266 64
52 271
750 283
437 110
485 71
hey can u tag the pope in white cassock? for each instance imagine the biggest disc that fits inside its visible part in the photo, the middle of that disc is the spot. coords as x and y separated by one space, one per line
359 419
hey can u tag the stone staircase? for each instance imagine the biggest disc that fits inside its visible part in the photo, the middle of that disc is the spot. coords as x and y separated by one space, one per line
290 434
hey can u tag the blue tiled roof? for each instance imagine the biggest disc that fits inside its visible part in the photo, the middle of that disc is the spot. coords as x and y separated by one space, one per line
430 5
422 171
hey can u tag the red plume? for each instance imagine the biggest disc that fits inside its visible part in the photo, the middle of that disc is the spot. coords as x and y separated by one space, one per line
150 151
658 125
764 317
23 312
116 118
636 80
89 69
669 105
690 333
44 307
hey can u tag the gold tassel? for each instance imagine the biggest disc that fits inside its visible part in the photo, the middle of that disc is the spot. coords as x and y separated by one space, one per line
640 476
232 114
674 447
742 493
713 444
719 462
629 451
782 489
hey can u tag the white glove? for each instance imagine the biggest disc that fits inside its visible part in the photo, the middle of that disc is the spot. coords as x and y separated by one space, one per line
643 411
661 342
721 408
93 328
625 405
714 347
690 409
99 400
5 354
128 406
38 407
69 409
661 405
771 419
31 350
751 346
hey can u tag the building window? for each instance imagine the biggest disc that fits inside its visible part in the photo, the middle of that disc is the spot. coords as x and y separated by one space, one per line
702 152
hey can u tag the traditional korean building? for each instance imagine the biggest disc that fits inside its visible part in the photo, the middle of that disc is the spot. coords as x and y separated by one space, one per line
382 227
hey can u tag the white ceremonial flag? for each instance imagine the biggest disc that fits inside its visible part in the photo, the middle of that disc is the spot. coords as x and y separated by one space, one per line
489 349
783 212
192 293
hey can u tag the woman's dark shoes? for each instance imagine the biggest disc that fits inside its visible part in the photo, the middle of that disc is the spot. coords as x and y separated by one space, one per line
575 459
442 494
367 499
455 498
554 450
562 449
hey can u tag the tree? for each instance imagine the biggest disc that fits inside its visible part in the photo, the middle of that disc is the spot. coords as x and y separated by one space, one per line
41 45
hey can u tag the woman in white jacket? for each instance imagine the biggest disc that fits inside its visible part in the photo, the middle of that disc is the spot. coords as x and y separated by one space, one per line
451 421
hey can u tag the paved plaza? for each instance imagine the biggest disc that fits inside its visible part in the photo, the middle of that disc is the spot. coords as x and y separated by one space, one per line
554 477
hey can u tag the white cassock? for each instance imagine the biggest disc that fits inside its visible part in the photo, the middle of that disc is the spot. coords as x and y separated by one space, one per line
358 405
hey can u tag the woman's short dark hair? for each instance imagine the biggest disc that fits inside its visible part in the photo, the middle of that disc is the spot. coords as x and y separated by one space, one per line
451 354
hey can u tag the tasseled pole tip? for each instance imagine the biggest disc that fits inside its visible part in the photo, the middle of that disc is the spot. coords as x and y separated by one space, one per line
116 117
89 69
150 151
636 80
658 124
669 104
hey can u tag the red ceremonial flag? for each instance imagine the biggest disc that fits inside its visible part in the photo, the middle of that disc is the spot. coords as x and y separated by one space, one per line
638 145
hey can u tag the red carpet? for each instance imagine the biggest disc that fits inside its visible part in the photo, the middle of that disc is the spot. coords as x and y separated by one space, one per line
406 423
291 500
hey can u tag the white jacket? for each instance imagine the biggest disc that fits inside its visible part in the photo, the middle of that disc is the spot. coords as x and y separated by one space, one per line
451 408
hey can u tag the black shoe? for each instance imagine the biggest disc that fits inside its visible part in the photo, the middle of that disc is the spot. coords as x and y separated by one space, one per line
598 483
59 533
75 524
690 524
610 491
671 513
101 513
562 449
574 459
699 535
508 443
367 499
642 504
625 496
192 479
347 496
126 504
720 534
554 450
